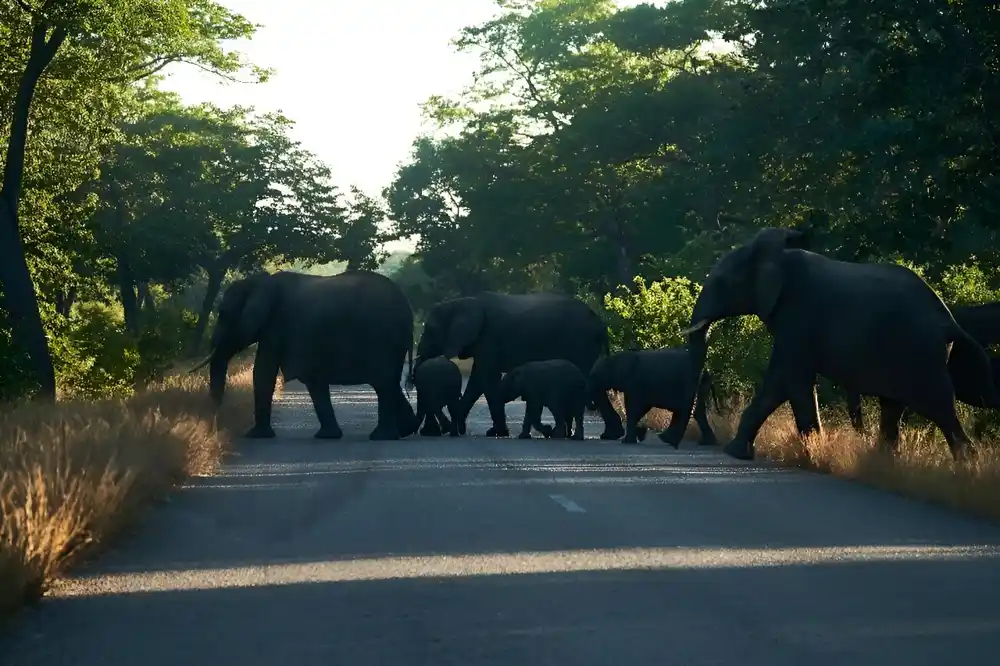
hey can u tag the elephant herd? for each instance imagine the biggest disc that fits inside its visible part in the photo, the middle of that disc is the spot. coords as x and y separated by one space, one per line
872 329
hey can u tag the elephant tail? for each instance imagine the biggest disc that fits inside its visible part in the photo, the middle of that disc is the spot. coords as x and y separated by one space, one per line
971 373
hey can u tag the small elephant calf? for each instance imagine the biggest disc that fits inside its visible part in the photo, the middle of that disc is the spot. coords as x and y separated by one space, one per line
439 384
555 384
651 378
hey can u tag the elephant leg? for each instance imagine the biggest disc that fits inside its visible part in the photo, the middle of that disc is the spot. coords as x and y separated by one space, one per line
265 376
496 404
578 417
634 410
457 424
802 396
532 415
328 426
855 411
937 403
443 420
543 428
701 418
764 402
387 427
612 419
406 421
560 428
888 425
432 427
421 411
473 390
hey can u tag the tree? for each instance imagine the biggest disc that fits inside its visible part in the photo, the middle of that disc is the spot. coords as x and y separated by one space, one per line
105 41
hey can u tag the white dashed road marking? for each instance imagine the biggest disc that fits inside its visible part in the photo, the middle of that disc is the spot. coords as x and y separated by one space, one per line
567 504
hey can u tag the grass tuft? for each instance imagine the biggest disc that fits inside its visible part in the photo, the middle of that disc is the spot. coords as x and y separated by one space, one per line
922 468
74 474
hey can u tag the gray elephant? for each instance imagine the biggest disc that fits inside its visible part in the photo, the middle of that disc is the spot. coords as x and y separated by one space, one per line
352 328
503 331
439 384
555 384
661 378
982 323
875 329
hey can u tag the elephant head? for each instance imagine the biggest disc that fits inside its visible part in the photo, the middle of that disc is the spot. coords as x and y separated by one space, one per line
244 310
452 329
611 373
512 385
747 280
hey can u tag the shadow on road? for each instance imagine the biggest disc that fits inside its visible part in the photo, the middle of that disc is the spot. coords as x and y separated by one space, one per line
771 615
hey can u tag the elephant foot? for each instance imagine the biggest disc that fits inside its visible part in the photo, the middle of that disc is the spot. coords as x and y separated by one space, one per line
381 433
260 432
613 432
738 450
329 433
461 428
428 431
546 430
454 433
498 432
525 435
641 433
667 438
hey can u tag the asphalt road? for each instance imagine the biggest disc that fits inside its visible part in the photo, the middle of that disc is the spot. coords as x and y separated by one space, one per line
513 553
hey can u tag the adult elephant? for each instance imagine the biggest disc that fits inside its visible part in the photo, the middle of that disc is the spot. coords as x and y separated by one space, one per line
982 322
503 331
875 329
352 328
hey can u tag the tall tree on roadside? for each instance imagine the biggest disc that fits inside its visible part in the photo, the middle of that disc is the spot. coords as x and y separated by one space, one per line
108 40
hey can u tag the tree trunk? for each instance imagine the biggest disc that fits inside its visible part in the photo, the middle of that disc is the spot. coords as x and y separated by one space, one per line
146 301
126 291
215 277
19 290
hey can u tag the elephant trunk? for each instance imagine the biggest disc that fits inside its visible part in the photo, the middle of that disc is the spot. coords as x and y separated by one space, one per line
217 374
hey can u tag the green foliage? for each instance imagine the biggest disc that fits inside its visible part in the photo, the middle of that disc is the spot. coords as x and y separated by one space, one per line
654 315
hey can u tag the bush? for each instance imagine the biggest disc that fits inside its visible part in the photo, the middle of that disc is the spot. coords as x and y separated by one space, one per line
654 315
75 473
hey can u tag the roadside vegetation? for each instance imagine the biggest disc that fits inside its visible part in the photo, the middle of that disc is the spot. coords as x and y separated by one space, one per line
613 153
616 152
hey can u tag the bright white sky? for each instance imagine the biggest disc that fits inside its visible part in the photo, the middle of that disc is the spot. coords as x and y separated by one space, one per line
350 73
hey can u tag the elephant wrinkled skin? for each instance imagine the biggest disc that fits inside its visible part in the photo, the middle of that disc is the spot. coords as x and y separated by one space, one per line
982 323
555 384
660 378
875 329
439 384
503 331
352 328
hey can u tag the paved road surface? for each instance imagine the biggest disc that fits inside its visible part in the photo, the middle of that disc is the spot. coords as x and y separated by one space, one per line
471 552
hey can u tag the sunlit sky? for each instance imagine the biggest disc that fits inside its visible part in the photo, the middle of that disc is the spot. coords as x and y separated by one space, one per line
351 74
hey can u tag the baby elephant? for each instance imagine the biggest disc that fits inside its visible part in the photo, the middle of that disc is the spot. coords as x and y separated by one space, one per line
556 384
439 385
653 378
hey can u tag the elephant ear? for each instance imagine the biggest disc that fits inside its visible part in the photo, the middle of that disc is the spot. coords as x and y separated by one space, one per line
261 299
464 329
767 251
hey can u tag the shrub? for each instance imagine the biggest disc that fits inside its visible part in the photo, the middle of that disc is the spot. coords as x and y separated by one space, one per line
75 473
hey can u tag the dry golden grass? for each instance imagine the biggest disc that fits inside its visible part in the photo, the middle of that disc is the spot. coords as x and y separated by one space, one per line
74 474
922 468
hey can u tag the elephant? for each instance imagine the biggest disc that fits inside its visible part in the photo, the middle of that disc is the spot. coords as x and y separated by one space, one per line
651 378
556 384
352 328
439 385
503 331
875 329
982 322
